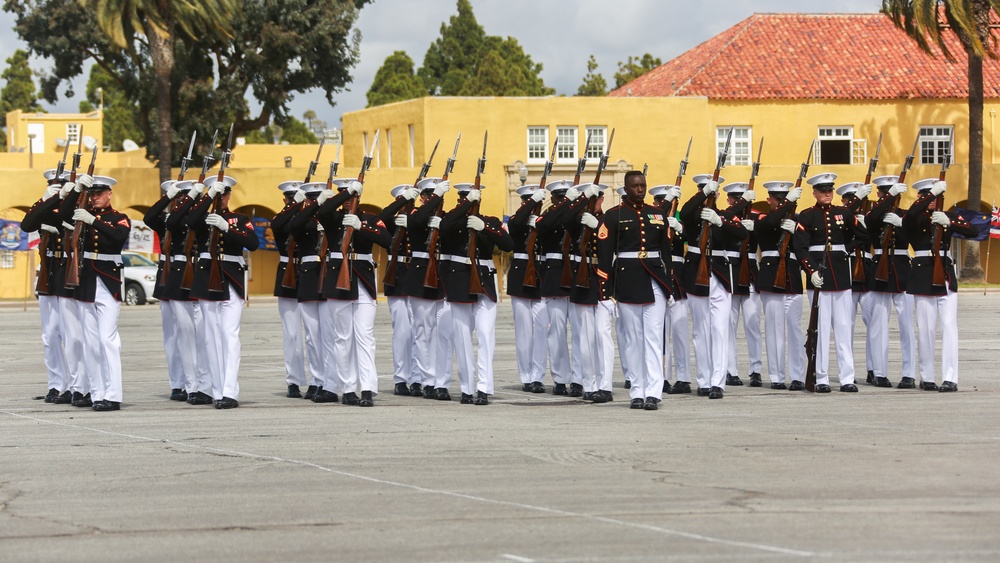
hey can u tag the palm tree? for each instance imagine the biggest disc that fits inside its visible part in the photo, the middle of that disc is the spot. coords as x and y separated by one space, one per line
155 23
969 20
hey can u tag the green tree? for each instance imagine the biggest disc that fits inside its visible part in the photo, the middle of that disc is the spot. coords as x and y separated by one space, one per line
395 81
309 115
18 91
593 84
121 115
969 20
635 67
295 132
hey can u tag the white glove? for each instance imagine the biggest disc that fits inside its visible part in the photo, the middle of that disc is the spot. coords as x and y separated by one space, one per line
351 220
788 225
68 227
473 195
747 224
475 223
531 221
892 219
816 279
66 189
710 215
863 191
441 188
410 194
434 222
710 187
172 191
355 188
50 229
83 215
572 194
672 194
299 197
750 196
196 190
939 218
938 187
675 225
319 227
86 181
323 196
897 189
50 191
538 195
588 220
794 194
217 221
861 219
402 221
218 187
591 191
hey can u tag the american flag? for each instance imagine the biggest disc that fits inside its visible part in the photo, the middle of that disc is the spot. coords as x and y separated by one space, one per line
995 223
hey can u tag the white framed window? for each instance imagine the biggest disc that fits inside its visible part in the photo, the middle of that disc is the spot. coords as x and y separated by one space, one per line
73 133
6 259
566 144
836 145
935 144
412 138
388 145
598 135
538 144
739 149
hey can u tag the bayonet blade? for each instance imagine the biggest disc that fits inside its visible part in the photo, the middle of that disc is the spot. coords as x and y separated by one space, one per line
336 162
878 147
433 151
725 151
454 153
645 169
194 136
482 161
755 168
805 165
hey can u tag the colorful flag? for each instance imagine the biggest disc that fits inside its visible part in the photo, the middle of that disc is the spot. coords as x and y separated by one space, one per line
12 237
995 223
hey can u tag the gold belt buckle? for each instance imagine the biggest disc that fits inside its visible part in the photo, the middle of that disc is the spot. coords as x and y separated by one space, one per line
642 254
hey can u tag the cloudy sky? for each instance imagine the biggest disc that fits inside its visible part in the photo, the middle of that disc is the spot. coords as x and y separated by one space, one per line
560 34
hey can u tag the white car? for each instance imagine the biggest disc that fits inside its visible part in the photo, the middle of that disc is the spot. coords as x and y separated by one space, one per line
138 278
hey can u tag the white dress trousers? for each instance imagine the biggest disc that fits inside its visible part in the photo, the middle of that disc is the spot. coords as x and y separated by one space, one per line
73 345
311 315
558 313
404 368
180 359
53 342
222 323
583 328
836 310
291 330
354 343
481 317
643 327
930 310
710 330
863 300
100 329
750 306
679 357
604 319
425 327
783 335
878 332
530 340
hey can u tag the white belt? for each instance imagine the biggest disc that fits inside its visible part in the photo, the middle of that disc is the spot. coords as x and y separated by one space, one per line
928 253
552 256
282 259
640 254
574 257
897 252
867 255
465 260
775 254
163 258
351 256
678 259
180 257
418 254
520 256
822 247
715 253
223 257
51 254
306 259
403 259
116 258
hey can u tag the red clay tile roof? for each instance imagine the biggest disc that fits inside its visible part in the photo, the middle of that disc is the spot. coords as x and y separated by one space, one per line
807 56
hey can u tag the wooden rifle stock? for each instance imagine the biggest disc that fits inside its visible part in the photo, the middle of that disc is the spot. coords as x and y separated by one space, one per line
586 237
289 280
344 276
812 342
704 246
888 244
215 268
744 278
391 269
73 259
475 281
938 278
531 270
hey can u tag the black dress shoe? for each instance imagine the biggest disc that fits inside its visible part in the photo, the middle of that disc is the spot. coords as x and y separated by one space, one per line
703 391
883 382
401 389
526 387
780 386
559 389
588 396
907 383
51 396
651 404
229 403
628 384
948 387
537 387
294 392
733 380
575 390
870 379
310 392
716 393
636 404
415 390
823 388
324 396
755 380
82 401
849 388
218 404
466 399
928 386
680 387
442 394
368 400
481 398
64 399
178 395
797 386
350 399
429 392
602 396
103 406
199 398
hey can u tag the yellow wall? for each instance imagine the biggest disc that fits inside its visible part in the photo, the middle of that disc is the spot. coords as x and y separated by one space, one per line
53 126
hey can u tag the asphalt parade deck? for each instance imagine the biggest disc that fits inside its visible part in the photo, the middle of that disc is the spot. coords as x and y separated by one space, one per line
884 474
